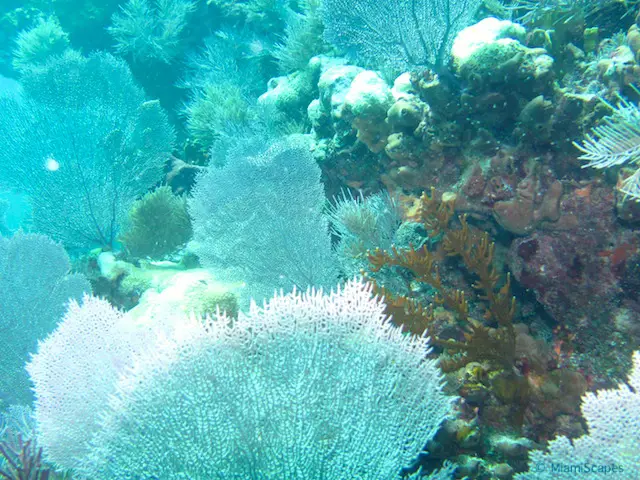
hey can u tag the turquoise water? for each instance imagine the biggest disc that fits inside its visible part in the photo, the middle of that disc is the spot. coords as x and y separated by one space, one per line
319 239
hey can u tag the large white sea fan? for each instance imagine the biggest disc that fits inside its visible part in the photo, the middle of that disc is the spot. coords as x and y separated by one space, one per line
310 386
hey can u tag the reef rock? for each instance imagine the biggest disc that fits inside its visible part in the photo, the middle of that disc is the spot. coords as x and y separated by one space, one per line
186 292
326 112
530 206
575 269
482 47
366 104
493 51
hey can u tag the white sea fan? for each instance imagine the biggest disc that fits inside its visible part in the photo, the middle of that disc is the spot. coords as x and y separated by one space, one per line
309 386
109 144
35 286
399 34
259 219
74 372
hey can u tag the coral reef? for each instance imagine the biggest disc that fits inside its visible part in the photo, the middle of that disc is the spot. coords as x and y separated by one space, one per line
210 112
86 21
168 291
495 346
219 96
577 269
303 135
509 380
520 202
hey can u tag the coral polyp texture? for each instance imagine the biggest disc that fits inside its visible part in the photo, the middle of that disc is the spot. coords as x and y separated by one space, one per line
309 386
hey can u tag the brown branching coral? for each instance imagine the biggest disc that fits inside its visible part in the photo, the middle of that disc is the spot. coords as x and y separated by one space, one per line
494 344
404 310
422 264
434 213
23 461
477 253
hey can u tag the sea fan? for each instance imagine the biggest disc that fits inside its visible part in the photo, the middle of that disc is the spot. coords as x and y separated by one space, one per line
310 386
259 220
398 34
35 286
83 144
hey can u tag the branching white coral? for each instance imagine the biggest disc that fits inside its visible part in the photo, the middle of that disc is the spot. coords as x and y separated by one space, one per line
75 371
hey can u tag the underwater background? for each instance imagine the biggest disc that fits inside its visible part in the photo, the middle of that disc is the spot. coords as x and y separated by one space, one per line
319 239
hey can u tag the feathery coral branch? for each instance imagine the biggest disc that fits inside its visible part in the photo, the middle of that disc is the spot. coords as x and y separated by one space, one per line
616 142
